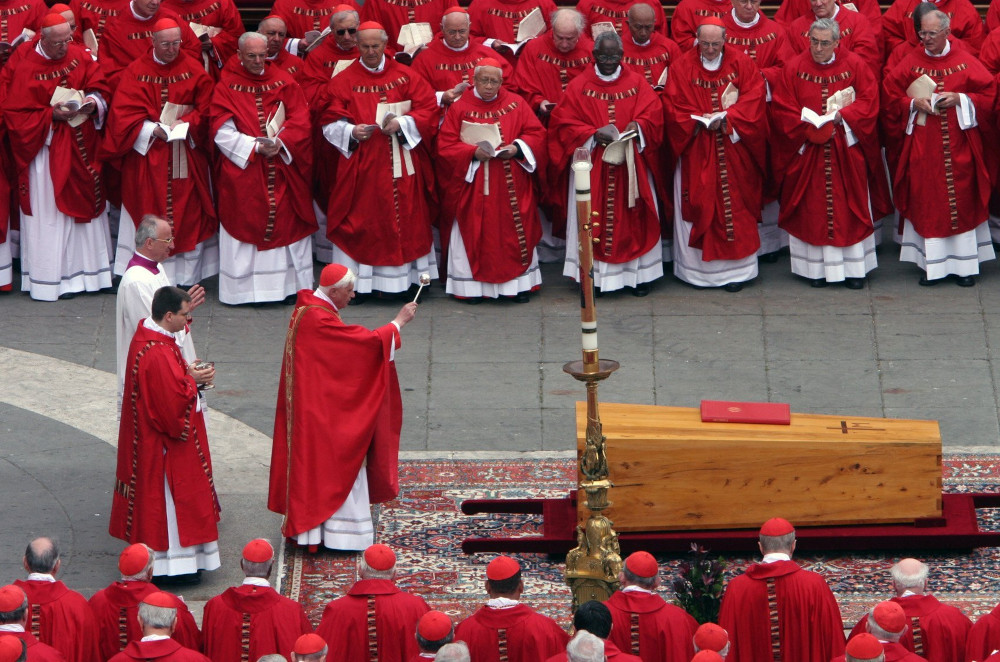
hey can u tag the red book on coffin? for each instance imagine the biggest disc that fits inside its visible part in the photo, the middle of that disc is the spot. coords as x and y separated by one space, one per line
723 411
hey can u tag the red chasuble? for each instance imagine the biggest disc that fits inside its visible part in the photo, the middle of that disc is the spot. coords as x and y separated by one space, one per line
301 16
16 15
252 620
445 68
808 618
897 23
163 650
311 478
855 36
36 650
27 115
267 204
500 229
524 633
394 14
161 433
646 625
95 14
348 622
319 67
543 72
766 43
217 14
127 39
651 59
394 227
116 609
616 12
936 631
498 19
625 231
946 157
292 64
984 637
721 181
171 179
824 194
62 619
689 14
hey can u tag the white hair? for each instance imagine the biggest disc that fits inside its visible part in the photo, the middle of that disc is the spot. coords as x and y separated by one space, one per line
455 652
585 647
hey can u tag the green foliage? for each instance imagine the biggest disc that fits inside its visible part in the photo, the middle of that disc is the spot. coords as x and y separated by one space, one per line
699 585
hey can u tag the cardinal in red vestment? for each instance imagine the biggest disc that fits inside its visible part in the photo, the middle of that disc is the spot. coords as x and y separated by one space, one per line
550 61
164 476
302 16
937 632
374 599
274 29
966 24
593 617
59 617
831 233
721 159
262 188
809 628
947 145
160 91
16 16
856 35
340 47
128 36
380 115
158 619
984 637
789 10
887 623
496 21
644 623
647 52
495 207
63 222
507 625
689 14
395 14
123 597
93 15
338 381
607 101
275 622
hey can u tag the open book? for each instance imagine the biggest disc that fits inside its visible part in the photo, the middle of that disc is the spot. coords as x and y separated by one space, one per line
486 136
615 152
276 121
69 99
415 34
600 27
812 117
406 55
340 66
318 40
661 82
729 96
530 26
205 34
25 35
840 99
707 121
170 116
922 88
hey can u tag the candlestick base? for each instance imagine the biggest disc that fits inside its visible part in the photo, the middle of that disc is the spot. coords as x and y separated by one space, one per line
578 369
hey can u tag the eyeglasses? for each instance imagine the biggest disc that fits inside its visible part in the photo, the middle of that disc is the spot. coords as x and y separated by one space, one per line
929 34
171 44
166 241
341 32
822 43
608 59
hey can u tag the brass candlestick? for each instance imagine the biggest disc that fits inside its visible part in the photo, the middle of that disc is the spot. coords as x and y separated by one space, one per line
592 567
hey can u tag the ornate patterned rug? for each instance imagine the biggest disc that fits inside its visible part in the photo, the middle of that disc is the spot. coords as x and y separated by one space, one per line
426 527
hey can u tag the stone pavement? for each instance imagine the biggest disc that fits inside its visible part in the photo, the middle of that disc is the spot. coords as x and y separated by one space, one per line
486 379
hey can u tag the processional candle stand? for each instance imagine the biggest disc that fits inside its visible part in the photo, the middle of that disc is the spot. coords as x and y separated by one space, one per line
592 567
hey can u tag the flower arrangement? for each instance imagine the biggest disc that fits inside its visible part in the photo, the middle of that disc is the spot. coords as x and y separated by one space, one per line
699 585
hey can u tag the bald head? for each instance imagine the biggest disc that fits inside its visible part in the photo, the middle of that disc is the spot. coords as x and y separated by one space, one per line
275 30
641 22
909 575
455 29
42 555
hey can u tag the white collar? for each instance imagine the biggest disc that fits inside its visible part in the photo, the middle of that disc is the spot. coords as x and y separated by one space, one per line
457 50
376 70
131 7
153 326
255 581
608 79
712 65
478 96
947 49
322 295
43 576
756 19
501 603
12 627
155 637
636 589
774 557
643 44
830 61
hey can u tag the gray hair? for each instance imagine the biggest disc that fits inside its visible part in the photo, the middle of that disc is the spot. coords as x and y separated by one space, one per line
579 22
146 229
850 658
585 647
648 583
273 657
336 16
160 618
383 33
475 72
349 279
312 656
256 569
945 20
141 575
910 581
468 19
770 544
697 31
611 36
41 555
247 36
456 652
826 24
365 570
